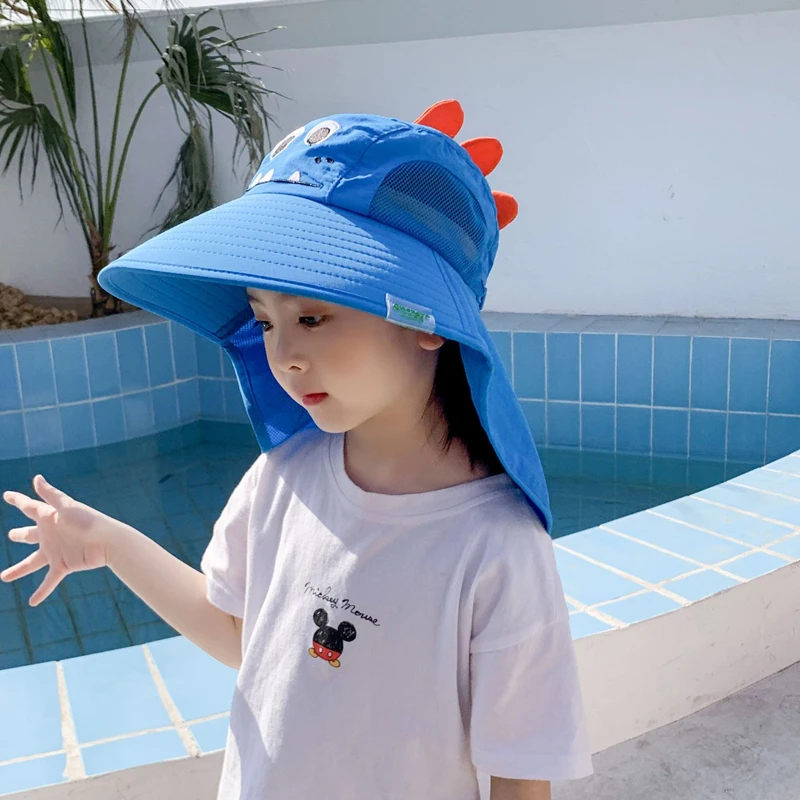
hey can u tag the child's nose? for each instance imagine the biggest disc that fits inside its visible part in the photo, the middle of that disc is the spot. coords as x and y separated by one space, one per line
286 355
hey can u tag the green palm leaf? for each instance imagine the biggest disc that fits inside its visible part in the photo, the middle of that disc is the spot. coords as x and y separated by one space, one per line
198 69
28 130
14 84
192 172
48 35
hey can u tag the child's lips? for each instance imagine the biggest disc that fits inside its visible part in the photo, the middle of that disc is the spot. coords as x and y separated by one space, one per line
314 399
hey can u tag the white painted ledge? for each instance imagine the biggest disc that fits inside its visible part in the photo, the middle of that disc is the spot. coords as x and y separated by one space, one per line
651 673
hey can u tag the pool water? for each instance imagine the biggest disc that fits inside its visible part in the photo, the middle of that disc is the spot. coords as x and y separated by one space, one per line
173 485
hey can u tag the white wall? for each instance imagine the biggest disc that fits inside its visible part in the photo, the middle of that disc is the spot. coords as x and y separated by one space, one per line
655 164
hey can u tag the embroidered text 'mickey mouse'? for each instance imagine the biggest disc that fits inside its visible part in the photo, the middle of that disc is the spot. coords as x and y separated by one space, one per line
329 642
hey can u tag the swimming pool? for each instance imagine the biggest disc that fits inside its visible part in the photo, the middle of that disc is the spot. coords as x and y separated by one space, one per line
172 486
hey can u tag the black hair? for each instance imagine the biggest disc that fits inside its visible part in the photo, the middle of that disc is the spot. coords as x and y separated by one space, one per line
451 394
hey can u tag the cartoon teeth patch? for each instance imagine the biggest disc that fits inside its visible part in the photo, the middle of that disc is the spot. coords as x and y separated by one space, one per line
328 642
319 133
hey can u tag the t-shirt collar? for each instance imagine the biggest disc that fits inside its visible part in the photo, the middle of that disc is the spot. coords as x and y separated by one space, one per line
407 505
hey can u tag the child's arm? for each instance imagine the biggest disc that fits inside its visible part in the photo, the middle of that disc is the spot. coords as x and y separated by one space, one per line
176 592
73 537
510 789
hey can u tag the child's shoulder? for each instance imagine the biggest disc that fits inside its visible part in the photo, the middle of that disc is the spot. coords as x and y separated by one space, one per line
508 537
513 577
283 458
507 519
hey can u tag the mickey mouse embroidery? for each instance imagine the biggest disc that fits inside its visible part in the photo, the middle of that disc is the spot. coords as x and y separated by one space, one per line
329 642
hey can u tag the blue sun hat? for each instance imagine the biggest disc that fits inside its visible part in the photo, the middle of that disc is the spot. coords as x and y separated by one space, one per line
389 217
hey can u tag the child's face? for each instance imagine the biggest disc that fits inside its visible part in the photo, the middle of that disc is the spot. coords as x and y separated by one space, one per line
371 370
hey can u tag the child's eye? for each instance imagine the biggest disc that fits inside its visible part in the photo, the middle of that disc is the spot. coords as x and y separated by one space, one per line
309 322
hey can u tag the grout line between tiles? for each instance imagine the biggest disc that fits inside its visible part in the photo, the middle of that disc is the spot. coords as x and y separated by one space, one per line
546 393
652 391
580 390
75 768
89 390
633 578
717 534
119 738
180 725
22 401
689 404
616 394
766 410
752 548
781 472
735 482
742 511
728 400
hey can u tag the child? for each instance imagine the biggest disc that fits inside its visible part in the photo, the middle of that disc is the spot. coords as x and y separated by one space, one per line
382 576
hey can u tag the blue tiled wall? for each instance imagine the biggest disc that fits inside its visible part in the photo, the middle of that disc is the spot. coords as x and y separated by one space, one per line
90 383
710 389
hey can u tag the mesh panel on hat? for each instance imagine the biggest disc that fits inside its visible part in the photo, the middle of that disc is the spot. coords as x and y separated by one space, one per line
429 203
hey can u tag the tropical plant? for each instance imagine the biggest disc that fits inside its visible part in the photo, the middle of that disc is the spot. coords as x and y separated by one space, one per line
203 69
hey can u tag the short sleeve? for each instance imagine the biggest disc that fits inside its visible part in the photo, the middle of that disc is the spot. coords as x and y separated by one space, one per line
517 587
527 719
224 562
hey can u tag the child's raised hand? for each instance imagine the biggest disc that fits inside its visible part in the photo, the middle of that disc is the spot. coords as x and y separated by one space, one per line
71 536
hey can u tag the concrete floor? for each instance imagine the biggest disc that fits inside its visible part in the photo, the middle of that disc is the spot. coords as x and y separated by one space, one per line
746 747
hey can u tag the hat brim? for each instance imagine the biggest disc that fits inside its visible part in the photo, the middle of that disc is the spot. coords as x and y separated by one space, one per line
197 274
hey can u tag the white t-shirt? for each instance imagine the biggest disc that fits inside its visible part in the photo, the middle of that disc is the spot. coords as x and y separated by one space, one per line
393 645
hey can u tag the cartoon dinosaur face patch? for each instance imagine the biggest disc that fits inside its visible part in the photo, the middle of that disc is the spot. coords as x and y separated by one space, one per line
328 642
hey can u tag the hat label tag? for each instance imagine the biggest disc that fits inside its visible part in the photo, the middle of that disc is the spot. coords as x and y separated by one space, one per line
409 315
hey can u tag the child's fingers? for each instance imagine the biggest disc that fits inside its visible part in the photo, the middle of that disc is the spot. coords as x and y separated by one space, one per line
48 493
28 535
31 508
51 580
25 567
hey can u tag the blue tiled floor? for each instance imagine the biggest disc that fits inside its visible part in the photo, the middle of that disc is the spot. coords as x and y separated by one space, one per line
203 692
99 708
789 547
641 607
29 696
703 584
774 508
585 625
734 524
31 774
677 538
754 565
628 556
211 735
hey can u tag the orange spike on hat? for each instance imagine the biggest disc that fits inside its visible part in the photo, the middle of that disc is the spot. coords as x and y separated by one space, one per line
485 151
446 116
507 208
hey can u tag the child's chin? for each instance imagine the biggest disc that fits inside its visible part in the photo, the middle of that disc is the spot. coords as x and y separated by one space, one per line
329 425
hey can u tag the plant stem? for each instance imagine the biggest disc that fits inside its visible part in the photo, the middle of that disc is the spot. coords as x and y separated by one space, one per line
105 234
77 174
113 206
115 130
